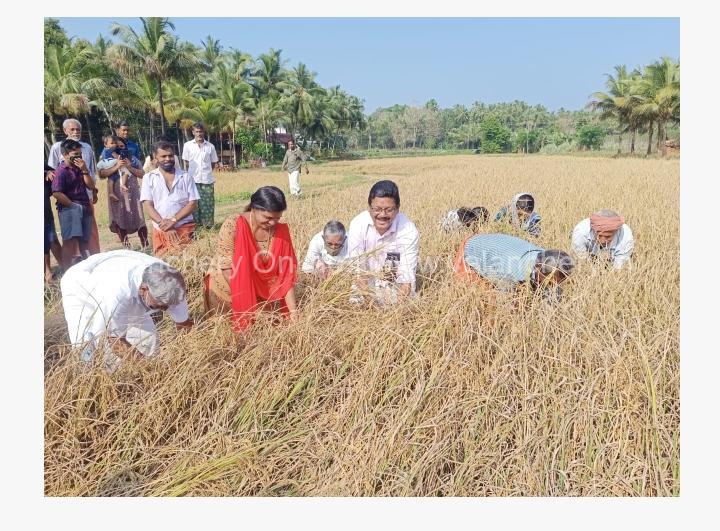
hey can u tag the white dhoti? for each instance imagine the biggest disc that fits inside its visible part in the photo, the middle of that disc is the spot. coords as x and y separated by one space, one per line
294 178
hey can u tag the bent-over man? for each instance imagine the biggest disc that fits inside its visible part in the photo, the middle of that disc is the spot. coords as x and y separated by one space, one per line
108 300
508 262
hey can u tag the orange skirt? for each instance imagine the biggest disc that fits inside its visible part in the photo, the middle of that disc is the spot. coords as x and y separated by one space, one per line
163 243
462 271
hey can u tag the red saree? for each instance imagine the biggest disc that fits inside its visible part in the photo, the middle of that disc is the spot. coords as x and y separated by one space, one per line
254 281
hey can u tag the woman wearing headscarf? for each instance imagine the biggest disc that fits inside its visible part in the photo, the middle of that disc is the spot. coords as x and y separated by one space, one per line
604 236
521 214
255 262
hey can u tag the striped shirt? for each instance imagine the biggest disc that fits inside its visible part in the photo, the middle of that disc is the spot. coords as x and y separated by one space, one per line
501 258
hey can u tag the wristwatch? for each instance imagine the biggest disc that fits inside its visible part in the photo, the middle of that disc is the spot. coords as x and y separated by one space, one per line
173 219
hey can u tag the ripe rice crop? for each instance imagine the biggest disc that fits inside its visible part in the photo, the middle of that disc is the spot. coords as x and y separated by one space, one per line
431 398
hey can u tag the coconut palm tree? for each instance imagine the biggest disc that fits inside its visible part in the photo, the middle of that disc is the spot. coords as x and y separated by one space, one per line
269 74
210 53
179 99
659 96
618 102
241 64
210 113
154 52
141 93
269 113
323 121
234 97
70 80
300 95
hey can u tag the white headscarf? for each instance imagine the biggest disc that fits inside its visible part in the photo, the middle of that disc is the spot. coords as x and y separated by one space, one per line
514 210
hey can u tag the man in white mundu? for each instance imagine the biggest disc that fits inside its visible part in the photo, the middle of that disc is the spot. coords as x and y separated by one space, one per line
294 157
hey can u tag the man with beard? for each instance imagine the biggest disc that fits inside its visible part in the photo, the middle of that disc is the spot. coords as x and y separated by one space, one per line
73 131
169 197
605 238
327 250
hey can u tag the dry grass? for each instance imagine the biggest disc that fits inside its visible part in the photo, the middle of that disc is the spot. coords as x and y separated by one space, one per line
428 399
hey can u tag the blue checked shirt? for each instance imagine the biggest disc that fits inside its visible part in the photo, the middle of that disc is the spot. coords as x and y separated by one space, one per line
501 258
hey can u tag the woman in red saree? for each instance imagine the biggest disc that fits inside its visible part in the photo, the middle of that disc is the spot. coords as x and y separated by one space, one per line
255 262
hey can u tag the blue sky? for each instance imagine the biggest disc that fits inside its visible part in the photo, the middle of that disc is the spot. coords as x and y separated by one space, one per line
556 62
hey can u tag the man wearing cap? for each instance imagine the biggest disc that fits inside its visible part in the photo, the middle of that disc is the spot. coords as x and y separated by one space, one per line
508 262
604 236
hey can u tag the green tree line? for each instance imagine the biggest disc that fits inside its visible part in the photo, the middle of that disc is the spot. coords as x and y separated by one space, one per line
161 85
645 101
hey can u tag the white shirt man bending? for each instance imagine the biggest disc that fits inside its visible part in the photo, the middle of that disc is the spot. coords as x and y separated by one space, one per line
604 236
108 299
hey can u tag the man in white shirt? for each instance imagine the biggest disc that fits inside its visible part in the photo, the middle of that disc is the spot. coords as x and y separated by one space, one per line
200 160
108 300
384 243
604 235
73 130
169 197
327 250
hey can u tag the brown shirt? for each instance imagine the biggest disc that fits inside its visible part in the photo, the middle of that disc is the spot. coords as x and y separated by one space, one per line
293 159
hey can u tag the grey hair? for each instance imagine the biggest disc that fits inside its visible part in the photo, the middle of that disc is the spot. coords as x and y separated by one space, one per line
555 259
165 283
606 213
69 121
334 227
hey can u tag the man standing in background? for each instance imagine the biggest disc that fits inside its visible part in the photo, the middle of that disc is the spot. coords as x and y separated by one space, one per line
294 157
200 160
123 131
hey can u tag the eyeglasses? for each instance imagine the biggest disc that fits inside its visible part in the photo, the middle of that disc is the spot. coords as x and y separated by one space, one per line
388 210
334 245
